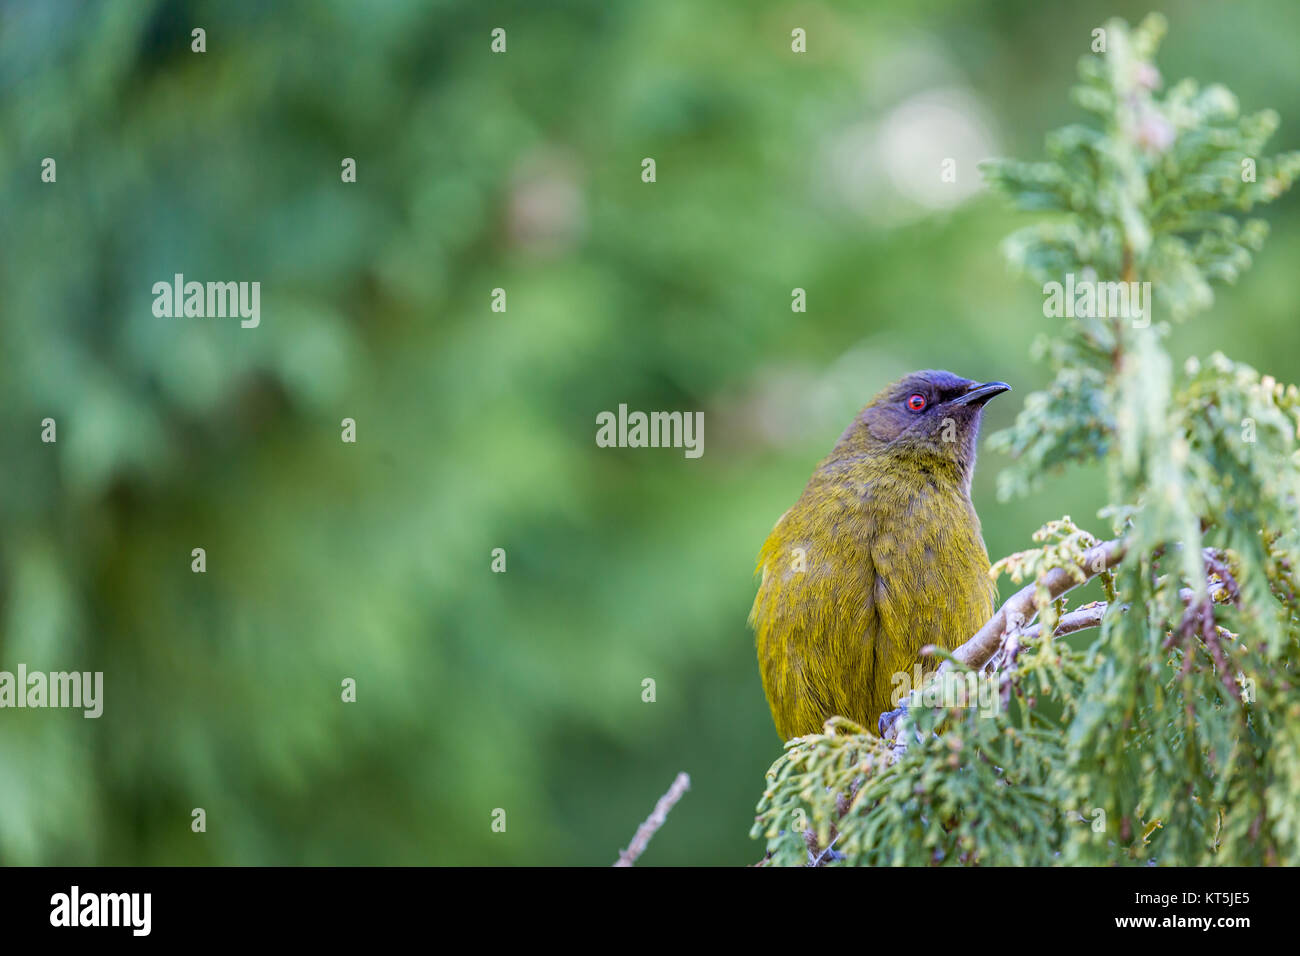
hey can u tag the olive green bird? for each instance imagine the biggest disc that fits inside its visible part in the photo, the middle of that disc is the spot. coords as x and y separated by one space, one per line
880 556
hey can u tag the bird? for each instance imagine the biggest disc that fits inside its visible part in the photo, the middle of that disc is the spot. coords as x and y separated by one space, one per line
881 555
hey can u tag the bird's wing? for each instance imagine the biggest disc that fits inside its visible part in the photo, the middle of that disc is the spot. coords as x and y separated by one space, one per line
814 616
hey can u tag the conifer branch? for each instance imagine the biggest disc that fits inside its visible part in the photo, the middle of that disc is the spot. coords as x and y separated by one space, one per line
1020 608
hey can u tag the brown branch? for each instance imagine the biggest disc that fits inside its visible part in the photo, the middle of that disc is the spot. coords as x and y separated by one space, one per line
1021 607
995 645
658 817
1090 615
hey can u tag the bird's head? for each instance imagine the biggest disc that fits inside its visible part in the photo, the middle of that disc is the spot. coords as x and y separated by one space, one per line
930 416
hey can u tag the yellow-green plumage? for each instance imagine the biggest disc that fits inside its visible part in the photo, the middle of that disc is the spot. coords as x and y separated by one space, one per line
881 555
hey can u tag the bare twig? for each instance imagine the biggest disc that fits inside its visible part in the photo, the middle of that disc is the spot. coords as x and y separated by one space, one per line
658 816
1080 619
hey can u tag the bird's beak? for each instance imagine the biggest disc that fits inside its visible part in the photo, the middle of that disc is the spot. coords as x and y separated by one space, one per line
980 394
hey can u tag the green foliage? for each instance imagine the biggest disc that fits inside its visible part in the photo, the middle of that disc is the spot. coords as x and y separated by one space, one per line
1175 732
1148 196
476 691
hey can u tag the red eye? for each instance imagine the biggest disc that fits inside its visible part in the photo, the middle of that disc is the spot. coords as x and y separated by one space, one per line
916 402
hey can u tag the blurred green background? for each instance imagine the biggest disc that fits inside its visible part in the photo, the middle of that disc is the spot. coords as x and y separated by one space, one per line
477 691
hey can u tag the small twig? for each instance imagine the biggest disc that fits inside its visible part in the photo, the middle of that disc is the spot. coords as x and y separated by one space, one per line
1198 621
1080 619
820 859
658 817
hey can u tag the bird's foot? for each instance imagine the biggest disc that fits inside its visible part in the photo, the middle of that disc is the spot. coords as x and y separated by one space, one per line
887 725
